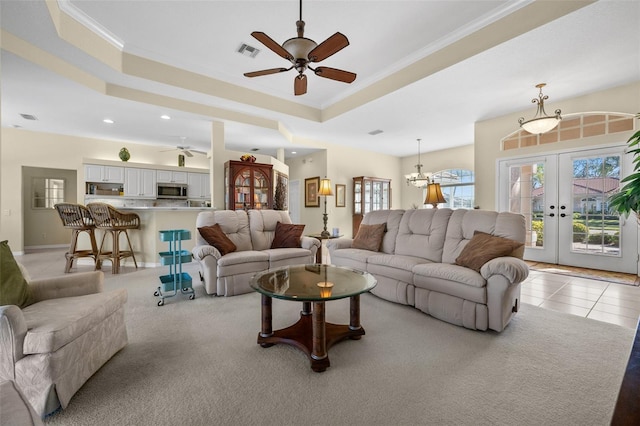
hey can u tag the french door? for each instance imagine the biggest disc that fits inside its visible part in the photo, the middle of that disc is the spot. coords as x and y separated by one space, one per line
564 200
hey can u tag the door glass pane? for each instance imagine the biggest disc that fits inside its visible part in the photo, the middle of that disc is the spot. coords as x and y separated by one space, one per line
357 197
526 196
595 229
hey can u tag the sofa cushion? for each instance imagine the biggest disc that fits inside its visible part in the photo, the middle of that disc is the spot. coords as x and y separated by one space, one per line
287 235
394 266
284 253
53 323
215 237
483 247
422 233
369 237
14 289
239 257
262 225
235 225
392 218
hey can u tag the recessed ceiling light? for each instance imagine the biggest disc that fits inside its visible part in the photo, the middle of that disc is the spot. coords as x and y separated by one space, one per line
165 117
375 132
108 121
29 116
255 149
293 152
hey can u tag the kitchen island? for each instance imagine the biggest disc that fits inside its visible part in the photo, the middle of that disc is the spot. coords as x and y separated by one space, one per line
146 240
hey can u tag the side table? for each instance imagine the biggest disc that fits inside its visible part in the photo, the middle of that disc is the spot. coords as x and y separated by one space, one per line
320 238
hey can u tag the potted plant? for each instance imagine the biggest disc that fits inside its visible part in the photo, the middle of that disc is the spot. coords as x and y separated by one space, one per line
628 198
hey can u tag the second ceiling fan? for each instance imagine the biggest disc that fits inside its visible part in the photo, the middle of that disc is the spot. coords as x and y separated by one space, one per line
302 51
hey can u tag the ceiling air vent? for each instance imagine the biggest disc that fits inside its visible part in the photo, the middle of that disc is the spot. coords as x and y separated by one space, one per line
375 132
247 50
28 117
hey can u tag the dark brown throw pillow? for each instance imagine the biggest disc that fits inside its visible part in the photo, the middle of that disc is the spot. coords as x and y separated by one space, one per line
483 247
214 236
369 237
287 235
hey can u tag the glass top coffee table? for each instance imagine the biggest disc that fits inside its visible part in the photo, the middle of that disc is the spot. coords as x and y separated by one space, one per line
312 284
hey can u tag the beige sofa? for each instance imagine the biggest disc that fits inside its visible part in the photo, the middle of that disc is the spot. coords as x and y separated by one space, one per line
416 264
252 232
51 347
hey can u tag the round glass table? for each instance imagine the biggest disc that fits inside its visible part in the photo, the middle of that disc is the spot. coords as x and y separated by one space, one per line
312 285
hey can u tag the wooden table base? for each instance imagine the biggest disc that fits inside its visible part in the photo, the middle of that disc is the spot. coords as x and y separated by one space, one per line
311 334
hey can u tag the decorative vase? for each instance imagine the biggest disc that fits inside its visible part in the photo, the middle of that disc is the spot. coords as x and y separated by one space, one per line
124 154
180 160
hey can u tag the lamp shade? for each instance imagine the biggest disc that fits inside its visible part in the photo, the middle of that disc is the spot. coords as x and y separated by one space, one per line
540 125
434 195
325 187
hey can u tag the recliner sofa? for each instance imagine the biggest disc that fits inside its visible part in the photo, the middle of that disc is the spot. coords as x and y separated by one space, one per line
252 233
416 264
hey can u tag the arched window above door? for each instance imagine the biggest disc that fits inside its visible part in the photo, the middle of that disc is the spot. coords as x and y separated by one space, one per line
572 126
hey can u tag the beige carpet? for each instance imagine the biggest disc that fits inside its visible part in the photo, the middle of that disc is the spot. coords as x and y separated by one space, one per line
196 362
595 274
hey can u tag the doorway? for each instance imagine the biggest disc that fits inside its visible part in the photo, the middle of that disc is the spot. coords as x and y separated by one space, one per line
564 200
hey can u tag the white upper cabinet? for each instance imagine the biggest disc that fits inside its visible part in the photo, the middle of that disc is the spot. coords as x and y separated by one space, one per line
168 176
199 186
98 173
140 183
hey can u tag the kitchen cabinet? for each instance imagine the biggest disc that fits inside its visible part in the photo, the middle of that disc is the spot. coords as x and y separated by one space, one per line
140 182
248 185
369 194
169 176
199 186
108 174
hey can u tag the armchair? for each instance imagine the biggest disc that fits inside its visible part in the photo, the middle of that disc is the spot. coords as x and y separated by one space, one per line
52 346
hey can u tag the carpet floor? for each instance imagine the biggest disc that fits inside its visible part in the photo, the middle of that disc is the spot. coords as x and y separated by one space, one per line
196 362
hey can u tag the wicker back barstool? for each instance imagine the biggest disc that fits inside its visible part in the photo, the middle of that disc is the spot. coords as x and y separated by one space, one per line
114 222
77 218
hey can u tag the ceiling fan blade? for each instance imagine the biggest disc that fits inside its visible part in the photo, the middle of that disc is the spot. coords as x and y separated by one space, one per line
198 152
330 46
272 44
265 72
300 85
335 74
187 153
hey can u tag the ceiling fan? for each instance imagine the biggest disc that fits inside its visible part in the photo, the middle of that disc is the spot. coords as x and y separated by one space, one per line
186 150
301 51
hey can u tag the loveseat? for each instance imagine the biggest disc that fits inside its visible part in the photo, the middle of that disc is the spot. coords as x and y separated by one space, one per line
65 332
252 233
416 263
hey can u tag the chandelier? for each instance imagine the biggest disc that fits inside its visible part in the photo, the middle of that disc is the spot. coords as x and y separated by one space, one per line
418 179
541 122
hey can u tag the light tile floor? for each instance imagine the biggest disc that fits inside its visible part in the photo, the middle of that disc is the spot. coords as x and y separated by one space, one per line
599 300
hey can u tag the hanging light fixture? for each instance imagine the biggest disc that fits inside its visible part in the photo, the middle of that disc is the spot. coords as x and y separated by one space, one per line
541 122
418 179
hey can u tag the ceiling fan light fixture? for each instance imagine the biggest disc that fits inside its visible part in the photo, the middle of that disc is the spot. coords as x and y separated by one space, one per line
541 122
299 47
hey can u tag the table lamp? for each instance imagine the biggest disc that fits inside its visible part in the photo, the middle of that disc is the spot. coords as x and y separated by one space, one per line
325 189
434 195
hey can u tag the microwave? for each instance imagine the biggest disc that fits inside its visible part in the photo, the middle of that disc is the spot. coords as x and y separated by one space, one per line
172 190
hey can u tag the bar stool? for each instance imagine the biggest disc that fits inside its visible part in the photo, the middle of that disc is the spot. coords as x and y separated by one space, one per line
77 218
114 222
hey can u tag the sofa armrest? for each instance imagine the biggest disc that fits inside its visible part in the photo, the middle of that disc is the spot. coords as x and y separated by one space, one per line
512 268
13 329
308 243
339 243
200 252
70 285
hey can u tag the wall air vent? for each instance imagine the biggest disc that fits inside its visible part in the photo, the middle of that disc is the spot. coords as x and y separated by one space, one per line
247 50
29 117
375 132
